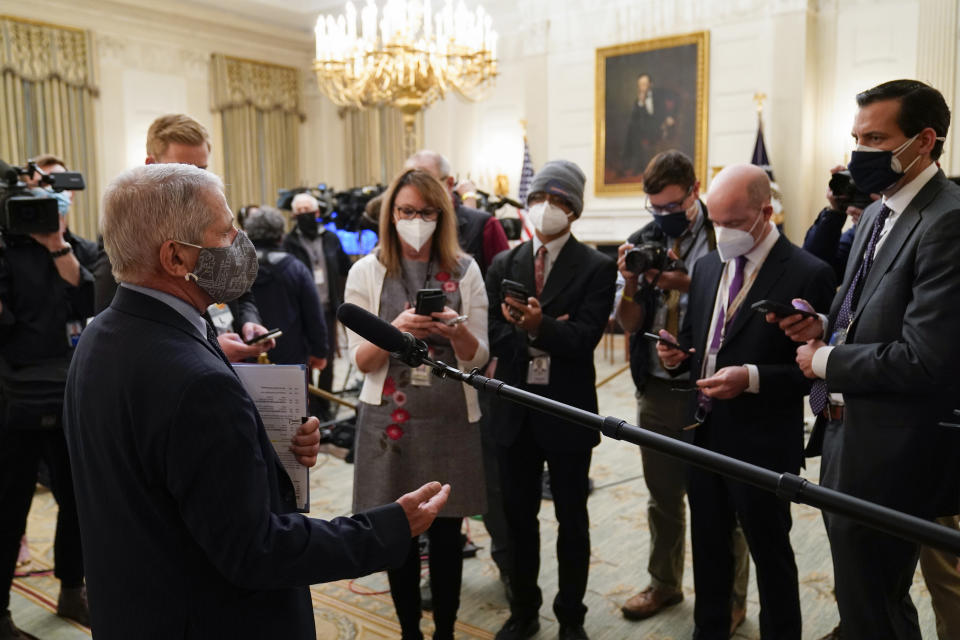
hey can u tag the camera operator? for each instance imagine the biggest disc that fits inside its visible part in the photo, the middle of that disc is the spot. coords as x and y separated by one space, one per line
46 294
652 300
826 238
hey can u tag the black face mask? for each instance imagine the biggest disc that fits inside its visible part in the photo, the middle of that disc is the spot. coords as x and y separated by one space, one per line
307 223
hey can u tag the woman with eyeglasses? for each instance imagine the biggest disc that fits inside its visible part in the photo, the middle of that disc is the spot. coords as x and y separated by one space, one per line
413 427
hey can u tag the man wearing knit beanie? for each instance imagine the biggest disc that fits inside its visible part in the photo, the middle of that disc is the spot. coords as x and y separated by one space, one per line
544 327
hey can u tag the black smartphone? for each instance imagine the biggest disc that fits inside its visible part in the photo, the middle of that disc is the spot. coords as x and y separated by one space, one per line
429 301
517 291
273 333
780 309
667 343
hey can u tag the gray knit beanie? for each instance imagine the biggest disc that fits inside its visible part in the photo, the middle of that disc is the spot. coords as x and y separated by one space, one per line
562 178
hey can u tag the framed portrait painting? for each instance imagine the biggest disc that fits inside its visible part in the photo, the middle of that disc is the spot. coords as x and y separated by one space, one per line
651 96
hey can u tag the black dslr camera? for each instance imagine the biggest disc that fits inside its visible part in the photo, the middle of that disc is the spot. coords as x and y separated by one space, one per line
23 212
651 255
846 192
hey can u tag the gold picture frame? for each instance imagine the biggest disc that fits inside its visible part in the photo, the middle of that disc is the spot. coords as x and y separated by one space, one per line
672 114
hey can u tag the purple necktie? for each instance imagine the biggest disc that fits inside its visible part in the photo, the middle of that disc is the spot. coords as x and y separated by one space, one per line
818 391
705 402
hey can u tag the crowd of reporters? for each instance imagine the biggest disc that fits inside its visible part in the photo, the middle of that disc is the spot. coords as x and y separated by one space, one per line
532 316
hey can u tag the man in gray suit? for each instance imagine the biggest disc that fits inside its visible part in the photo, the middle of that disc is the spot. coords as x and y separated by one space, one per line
888 375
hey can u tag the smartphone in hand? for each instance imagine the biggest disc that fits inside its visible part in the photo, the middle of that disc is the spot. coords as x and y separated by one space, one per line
273 333
667 343
780 309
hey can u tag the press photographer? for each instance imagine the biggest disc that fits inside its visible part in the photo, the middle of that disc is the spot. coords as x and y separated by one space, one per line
826 238
46 295
655 265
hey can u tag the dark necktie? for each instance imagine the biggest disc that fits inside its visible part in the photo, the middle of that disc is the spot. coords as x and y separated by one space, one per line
818 392
705 402
540 268
212 339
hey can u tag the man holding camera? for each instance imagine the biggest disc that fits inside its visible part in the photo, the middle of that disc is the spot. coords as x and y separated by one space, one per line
46 296
556 295
653 299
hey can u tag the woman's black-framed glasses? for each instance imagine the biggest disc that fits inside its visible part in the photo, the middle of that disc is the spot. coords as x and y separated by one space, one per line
409 213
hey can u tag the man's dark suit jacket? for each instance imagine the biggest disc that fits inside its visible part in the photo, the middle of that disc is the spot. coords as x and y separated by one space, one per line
763 428
184 508
336 261
898 370
581 284
827 240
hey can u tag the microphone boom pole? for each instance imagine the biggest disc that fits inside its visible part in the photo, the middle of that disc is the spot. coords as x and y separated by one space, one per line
787 486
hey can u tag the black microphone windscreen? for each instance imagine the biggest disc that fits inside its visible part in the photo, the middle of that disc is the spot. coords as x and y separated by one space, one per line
371 327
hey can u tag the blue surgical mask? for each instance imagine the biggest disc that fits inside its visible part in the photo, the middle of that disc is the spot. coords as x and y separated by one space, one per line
63 202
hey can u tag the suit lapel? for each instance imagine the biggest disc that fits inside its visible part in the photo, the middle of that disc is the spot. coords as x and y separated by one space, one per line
898 236
770 272
143 306
563 271
705 308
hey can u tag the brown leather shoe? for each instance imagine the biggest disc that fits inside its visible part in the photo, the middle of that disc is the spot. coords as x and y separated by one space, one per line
648 602
737 616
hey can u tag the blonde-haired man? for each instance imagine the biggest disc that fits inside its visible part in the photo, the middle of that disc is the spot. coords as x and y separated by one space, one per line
176 137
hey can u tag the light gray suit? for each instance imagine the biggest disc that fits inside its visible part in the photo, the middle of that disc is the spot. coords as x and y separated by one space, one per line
898 375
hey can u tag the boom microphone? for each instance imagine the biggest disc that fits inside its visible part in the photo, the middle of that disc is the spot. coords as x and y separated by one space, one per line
400 344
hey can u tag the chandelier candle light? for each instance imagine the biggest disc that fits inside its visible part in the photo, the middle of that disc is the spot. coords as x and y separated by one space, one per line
408 57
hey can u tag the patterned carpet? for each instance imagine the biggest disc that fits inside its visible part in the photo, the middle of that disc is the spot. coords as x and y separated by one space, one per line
358 610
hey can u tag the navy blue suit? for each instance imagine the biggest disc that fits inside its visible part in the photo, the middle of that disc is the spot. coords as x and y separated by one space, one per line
185 511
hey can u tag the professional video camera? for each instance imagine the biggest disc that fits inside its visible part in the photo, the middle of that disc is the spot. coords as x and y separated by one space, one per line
651 255
321 192
344 208
22 211
846 192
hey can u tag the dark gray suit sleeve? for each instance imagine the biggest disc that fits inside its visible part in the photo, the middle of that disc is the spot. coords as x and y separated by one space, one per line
928 350
216 474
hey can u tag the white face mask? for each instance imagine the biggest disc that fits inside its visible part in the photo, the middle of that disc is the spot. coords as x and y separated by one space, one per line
547 218
416 232
733 243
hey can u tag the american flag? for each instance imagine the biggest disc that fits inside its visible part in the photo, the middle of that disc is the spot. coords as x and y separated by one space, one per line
761 159
526 177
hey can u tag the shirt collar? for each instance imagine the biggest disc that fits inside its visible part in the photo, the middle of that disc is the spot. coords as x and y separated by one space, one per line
553 247
182 307
759 253
905 195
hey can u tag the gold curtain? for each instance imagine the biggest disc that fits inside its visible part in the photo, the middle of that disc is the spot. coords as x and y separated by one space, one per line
260 112
374 150
46 105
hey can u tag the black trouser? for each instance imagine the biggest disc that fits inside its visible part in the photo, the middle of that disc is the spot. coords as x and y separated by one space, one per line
521 473
20 453
446 570
321 406
716 504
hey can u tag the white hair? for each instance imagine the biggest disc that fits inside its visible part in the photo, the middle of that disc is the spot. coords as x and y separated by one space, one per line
431 162
148 205
305 198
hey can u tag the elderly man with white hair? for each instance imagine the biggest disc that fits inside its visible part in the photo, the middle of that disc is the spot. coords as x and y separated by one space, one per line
186 513
321 252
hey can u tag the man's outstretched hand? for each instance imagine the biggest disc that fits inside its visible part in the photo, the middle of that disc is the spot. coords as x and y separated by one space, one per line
422 506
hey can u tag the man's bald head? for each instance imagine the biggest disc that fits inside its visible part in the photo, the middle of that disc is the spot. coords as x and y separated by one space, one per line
746 184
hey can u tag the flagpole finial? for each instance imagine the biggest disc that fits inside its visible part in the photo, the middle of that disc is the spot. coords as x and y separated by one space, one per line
759 97
523 125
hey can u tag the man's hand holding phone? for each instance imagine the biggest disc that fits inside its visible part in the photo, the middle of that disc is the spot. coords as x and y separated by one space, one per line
670 356
798 327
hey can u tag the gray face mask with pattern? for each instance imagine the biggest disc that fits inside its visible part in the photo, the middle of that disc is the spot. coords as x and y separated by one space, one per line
225 273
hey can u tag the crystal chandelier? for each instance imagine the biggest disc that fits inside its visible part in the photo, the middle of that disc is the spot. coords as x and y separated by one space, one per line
408 57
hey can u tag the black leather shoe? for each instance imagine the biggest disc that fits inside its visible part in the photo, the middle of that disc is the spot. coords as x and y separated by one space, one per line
72 604
570 632
518 629
9 631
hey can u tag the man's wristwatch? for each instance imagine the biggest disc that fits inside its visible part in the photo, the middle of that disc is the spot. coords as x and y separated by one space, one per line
61 252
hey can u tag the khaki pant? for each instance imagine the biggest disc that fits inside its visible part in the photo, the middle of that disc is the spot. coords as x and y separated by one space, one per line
666 412
943 582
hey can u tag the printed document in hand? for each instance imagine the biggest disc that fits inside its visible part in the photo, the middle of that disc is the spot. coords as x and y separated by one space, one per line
280 393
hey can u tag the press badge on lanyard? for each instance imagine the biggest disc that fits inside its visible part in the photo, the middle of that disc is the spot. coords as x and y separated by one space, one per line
318 277
538 371
221 317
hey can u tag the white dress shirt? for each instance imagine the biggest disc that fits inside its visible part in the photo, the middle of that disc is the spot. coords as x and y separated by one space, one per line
755 260
554 247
